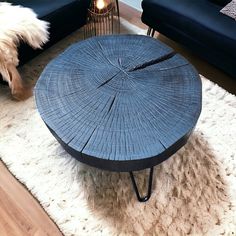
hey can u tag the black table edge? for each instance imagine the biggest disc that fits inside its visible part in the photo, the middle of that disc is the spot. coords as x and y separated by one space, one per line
124 166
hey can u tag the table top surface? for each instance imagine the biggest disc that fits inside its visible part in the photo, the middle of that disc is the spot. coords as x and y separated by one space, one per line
121 103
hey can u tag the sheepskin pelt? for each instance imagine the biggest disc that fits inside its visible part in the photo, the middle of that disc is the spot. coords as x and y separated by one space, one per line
17 24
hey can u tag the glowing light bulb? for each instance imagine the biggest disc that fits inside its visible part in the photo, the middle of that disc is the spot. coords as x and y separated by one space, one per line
100 4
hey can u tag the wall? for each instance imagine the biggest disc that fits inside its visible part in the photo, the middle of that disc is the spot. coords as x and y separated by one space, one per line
133 3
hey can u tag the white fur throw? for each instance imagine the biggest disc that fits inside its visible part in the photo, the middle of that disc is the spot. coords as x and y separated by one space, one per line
17 24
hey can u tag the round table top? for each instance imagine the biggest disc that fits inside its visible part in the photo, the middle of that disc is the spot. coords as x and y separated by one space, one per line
121 103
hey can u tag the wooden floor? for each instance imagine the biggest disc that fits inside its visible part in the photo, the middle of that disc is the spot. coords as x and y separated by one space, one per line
20 213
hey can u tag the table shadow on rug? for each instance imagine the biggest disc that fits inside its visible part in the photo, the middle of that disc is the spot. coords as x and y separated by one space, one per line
188 189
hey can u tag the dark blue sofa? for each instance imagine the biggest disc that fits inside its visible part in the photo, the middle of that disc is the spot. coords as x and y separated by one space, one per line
198 25
65 16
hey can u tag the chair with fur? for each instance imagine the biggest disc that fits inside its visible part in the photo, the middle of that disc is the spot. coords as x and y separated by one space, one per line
17 24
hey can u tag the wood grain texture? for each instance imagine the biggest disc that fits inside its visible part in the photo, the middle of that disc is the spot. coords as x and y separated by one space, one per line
120 99
20 213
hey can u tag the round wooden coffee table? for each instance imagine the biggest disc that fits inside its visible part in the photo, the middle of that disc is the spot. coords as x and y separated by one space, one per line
120 103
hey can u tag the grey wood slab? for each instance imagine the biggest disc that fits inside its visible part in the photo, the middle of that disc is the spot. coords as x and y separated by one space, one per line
121 102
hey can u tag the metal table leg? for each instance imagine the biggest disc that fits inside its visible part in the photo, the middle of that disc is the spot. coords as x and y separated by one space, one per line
150 32
118 10
149 191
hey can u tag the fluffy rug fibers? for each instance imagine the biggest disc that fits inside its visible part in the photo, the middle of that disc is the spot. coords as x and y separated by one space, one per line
193 191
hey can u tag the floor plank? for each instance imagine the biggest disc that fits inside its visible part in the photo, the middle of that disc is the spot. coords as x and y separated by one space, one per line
20 213
131 15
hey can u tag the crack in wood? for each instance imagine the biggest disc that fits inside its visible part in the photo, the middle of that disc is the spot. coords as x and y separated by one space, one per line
88 139
108 80
112 102
153 62
164 146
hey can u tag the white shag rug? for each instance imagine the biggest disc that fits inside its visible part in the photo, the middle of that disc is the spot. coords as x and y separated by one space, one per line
194 192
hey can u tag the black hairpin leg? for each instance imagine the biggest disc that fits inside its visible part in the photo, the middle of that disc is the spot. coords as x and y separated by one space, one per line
149 191
150 32
118 9
118 13
153 32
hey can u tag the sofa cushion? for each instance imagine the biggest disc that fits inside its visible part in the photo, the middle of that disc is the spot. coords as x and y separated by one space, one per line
43 7
200 20
220 2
